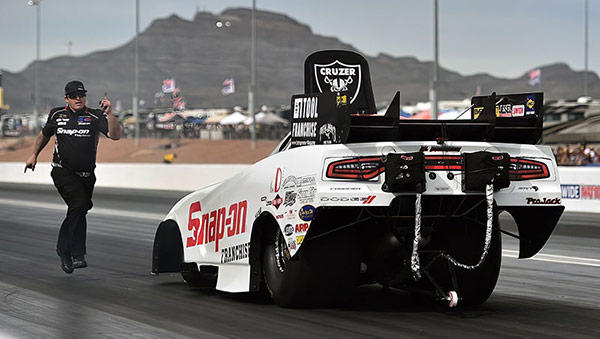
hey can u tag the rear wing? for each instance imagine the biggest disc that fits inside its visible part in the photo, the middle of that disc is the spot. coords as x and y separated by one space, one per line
338 107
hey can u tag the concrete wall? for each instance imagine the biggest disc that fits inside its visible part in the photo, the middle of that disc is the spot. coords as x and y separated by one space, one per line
580 185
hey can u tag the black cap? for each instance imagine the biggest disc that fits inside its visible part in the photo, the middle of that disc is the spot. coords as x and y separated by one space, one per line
74 86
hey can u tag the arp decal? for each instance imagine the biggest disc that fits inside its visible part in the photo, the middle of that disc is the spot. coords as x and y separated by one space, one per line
306 212
235 253
543 201
301 228
214 225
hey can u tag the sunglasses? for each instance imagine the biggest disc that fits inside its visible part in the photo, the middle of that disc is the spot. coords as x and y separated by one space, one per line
76 95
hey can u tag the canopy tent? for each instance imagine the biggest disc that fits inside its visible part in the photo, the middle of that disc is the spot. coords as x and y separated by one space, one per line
233 119
215 119
268 119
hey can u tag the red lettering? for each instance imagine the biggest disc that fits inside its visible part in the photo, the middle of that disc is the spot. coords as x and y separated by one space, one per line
203 235
301 227
233 212
193 224
241 219
220 227
212 226
216 224
278 178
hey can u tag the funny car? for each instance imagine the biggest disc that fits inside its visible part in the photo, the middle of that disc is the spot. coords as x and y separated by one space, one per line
352 197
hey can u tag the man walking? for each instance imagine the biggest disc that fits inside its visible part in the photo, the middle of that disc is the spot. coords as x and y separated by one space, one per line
77 130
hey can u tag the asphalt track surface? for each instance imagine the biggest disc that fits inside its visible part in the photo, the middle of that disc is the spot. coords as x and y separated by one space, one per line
557 294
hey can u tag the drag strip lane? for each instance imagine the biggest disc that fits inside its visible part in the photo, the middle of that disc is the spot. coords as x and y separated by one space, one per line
116 296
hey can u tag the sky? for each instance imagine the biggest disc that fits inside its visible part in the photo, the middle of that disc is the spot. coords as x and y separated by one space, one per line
503 38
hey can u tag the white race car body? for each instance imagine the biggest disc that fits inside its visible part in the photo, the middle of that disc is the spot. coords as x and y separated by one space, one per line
220 230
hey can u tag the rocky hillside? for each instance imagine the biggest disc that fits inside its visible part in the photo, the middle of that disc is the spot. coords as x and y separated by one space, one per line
199 56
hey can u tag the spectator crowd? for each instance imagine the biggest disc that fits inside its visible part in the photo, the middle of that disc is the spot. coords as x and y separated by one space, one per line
576 155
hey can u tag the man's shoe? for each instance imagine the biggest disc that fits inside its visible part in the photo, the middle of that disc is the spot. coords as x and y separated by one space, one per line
66 262
79 261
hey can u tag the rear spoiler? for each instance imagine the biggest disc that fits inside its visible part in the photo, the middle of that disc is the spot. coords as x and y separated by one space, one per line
324 118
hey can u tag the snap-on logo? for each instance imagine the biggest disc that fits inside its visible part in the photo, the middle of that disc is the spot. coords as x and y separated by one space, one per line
497 157
406 157
212 226
76 132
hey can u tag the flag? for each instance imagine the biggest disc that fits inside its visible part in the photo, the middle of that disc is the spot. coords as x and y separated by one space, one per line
168 85
535 77
228 86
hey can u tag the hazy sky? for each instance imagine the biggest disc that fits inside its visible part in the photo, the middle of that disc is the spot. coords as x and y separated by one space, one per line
504 38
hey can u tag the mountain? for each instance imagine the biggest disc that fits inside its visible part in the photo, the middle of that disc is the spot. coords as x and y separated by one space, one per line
199 56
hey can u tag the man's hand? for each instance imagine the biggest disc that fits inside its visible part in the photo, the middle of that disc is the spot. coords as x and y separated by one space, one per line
30 163
106 105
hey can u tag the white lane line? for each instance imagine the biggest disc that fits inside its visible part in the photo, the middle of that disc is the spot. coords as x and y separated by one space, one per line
556 258
94 211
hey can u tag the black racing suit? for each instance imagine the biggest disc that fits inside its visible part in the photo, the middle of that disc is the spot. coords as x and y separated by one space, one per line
74 160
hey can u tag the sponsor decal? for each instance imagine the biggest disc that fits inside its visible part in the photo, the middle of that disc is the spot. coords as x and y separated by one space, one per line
543 201
327 134
300 239
84 120
364 199
61 123
277 201
440 148
477 111
73 132
292 182
235 253
590 192
406 157
583 192
306 212
213 226
497 157
530 105
278 180
288 230
339 77
570 191
290 198
504 111
292 244
279 216
306 195
518 110
305 108
528 188
301 228
341 100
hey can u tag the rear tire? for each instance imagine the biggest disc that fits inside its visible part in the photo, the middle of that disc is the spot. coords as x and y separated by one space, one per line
323 272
